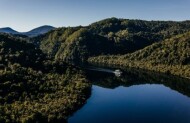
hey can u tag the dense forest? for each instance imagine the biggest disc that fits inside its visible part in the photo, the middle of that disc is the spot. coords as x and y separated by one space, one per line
34 88
110 36
170 56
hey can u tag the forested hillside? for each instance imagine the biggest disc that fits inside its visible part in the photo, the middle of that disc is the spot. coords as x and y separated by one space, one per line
34 88
109 36
72 44
169 56
173 51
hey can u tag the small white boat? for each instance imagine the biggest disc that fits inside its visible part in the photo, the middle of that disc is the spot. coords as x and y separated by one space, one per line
118 72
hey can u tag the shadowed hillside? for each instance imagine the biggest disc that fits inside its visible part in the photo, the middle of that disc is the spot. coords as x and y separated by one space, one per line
170 56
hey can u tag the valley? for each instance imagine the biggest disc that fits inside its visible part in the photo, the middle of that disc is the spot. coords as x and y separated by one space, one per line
43 75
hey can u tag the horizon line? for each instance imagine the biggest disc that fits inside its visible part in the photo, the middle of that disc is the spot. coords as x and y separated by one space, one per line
161 20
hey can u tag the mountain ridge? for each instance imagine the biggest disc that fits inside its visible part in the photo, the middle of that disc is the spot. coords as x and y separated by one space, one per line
32 33
8 30
109 36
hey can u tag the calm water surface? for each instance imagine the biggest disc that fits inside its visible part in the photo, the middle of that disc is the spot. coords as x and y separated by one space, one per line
136 97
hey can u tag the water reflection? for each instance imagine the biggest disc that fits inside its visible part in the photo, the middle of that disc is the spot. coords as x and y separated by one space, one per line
134 96
131 77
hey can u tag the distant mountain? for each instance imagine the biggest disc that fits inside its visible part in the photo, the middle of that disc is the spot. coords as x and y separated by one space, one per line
8 30
34 32
38 31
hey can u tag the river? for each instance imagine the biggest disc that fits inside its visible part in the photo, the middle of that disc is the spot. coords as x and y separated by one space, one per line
135 96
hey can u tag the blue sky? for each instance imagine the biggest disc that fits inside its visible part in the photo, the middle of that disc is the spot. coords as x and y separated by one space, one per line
23 15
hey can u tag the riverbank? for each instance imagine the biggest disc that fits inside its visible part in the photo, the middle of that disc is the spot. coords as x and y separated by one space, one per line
178 70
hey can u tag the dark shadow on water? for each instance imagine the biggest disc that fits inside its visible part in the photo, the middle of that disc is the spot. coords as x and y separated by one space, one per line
131 76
